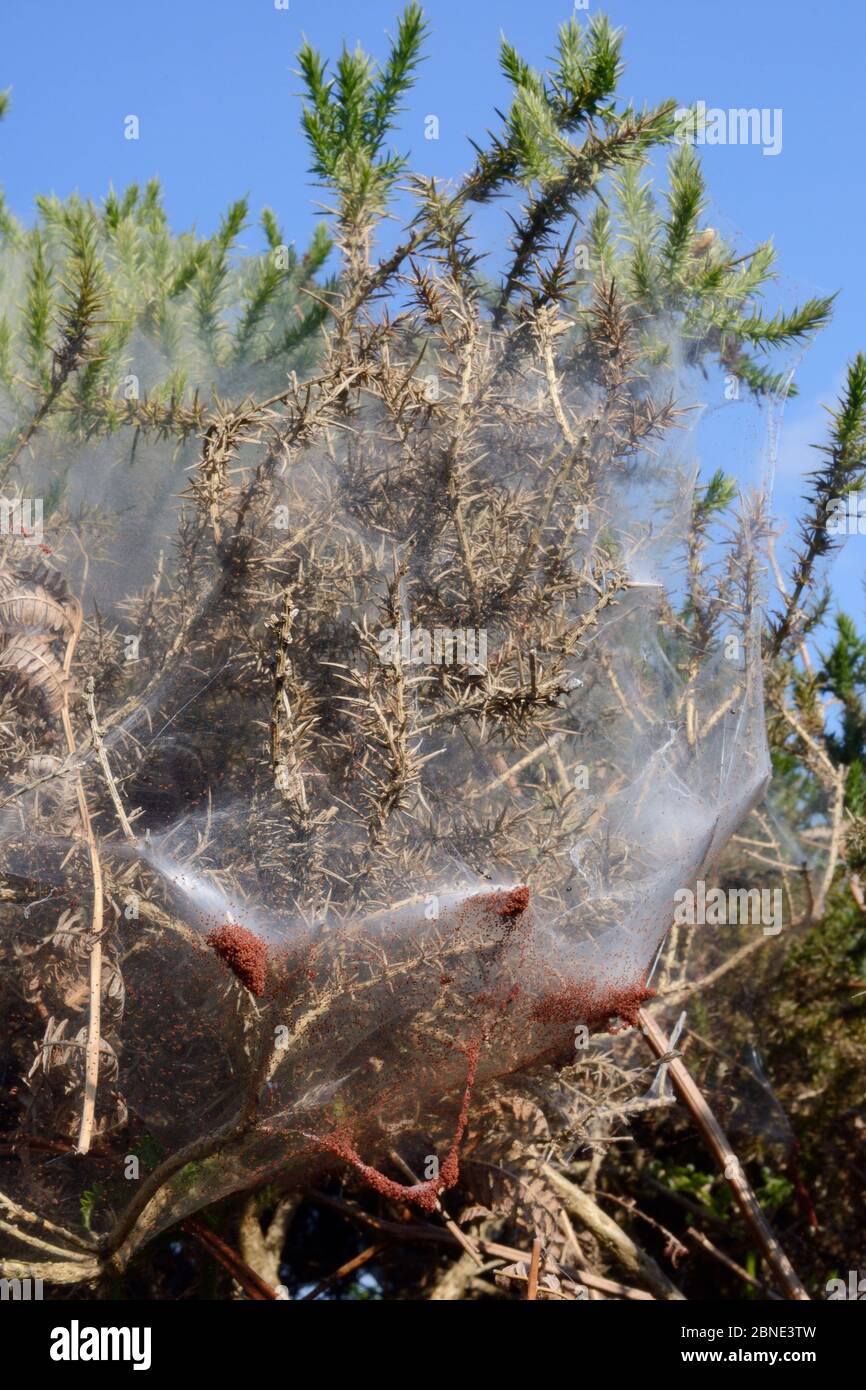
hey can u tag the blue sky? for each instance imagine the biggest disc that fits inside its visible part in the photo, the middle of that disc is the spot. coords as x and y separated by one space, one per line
211 82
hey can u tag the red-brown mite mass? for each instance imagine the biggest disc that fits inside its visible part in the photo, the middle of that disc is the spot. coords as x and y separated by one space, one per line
511 902
424 1194
243 953
585 1002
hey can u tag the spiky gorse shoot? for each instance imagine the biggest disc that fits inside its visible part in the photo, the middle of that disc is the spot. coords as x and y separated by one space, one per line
112 324
822 767
842 474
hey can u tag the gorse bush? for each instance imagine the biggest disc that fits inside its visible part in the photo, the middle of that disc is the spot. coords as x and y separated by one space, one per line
324 841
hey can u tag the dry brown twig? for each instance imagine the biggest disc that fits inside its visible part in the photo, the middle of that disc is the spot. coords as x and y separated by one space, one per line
727 1160
91 1055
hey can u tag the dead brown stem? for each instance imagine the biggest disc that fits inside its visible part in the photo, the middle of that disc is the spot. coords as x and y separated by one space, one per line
91 1055
718 1144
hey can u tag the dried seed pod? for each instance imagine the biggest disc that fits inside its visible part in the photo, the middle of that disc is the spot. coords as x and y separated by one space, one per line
69 933
54 1051
35 612
32 610
50 579
28 658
